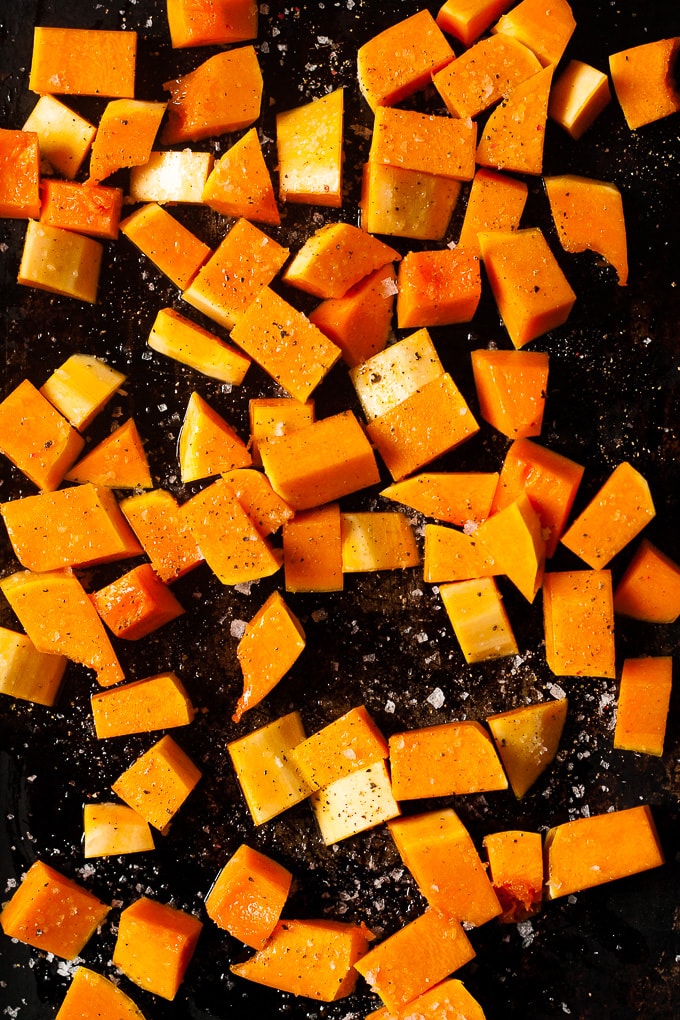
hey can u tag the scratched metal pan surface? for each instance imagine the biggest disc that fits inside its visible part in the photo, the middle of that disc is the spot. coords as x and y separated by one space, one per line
385 642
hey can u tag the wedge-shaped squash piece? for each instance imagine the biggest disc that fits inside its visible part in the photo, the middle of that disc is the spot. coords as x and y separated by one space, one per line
266 509
211 24
91 209
271 643
282 340
75 527
649 588
240 183
392 375
136 604
111 829
439 852
642 710
516 870
485 73
550 480
232 546
52 912
479 619
27 673
374 540
336 258
321 462
349 744
578 614
359 322
495 202
588 215
168 243
453 555
616 514
274 416
457 497
158 782
513 541
528 739
443 146
159 524
514 134
545 30
19 174
309 143
354 803
406 203
511 389
38 440
447 998
578 97
208 445
92 994
531 291
401 60
81 387
312 550
269 778
60 262
434 945
449 759
466 20
177 337
438 288
643 79
221 95
155 945
171 177
83 62
118 462
603 848
154 703
59 618
64 136
246 260
248 896
312 958
125 136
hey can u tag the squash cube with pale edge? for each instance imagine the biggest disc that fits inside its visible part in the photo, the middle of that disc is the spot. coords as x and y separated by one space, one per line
81 387
466 20
335 258
92 991
248 896
348 744
372 540
217 24
527 739
439 853
208 445
269 779
171 177
52 912
406 203
63 135
390 376
159 524
515 862
25 672
309 142
479 619
643 703
83 62
173 249
61 262
649 588
578 97
154 703
354 803
118 462
176 337
578 619
271 643
158 782
38 440
112 829
445 760
155 945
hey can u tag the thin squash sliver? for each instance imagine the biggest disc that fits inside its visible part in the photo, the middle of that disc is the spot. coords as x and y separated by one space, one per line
177 337
272 642
456 497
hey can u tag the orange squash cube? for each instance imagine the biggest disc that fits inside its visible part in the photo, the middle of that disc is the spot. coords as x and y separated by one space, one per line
19 174
495 202
374 540
516 871
312 550
90 209
453 555
545 30
38 440
479 619
511 389
90 991
578 613
266 509
457 497
81 387
360 321
136 604
125 136
171 247
83 62
335 258
466 20
240 183
514 134
208 445
649 588
159 524
155 945
248 896
588 215
346 745
485 73
438 288
213 24
643 81
171 177
441 146
158 782
512 539
644 698
118 462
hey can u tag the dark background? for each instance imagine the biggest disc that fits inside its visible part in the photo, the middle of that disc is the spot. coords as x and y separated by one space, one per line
610 952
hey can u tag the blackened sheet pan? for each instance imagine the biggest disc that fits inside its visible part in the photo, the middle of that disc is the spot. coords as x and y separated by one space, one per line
611 952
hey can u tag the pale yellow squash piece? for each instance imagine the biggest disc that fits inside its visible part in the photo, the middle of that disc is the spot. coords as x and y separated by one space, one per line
61 262
110 829
26 673
269 780
81 388
309 142
528 739
479 619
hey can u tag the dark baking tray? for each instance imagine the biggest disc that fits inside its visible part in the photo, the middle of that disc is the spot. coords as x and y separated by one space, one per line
611 952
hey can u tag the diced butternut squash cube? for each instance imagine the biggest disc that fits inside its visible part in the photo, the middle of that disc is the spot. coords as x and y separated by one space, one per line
27 673
495 202
83 62
512 539
208 445
578 97
274 416
466 20
335 258
644 699
514 134
453 555
155 945
359 322
439 852
348 744
60 262
168 243
354 803
438 288
215 24
185 341
91 991
485 73
272 642
602 848
160 526
154 703
19 174
442 146
240 183
545 30
125 136
457 497
118 462
389 377
248 896
158 782
91 209
113 829
136 604
64 136
406 203
401 60
171 177
309 142
38 440
649 588
81 387
479 619
312 550
372 540
266 509
578 614
588 215
511 389
616 514
528 739
450 759
52 912
269 778
531 291
643 79
516 869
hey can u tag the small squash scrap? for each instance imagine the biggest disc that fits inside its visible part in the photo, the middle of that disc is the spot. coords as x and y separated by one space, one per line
479 619
83 62
155 945
309 144
52 912
208 445
335 258
588 215
359 322
136 604
511 389
125 136
113 829
643 81
154 703
240 183
19 174
60 262
578 97
527 739
483 74
92 995
649 588
118 462
173 249
26 673
64 136
248 895
516 869
514 134
38 440
449 759
312 550
158 782
578 614
644 699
